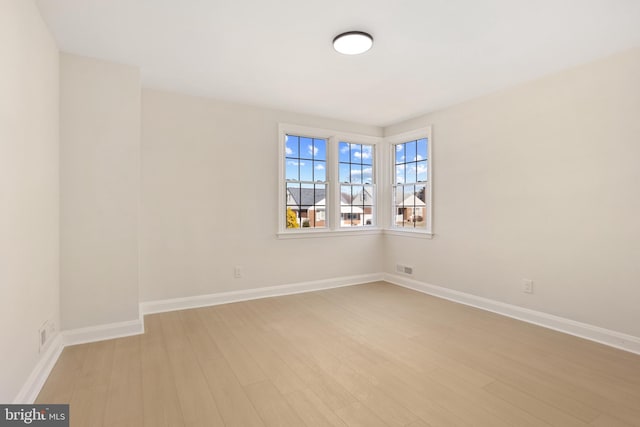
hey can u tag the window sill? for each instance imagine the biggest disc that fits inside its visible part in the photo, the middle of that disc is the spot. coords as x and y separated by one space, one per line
327 233
409 233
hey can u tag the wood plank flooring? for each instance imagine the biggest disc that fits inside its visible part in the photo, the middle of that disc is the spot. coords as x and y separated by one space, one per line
368 355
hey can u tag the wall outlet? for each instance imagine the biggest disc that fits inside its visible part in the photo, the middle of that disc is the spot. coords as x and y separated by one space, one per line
45 333
237 272
527 286
42 332
404 269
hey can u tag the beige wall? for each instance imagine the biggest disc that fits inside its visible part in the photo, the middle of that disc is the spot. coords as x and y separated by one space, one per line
210 202
28 189
100 181
542 182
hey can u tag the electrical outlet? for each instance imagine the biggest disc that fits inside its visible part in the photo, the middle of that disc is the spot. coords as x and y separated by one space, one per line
43 336
404 269
527 286
237 272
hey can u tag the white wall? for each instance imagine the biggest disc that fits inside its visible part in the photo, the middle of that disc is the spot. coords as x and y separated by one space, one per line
210 202
100 182
29 189
540 181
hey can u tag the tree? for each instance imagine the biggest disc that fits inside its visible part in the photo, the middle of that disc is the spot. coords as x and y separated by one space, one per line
292 219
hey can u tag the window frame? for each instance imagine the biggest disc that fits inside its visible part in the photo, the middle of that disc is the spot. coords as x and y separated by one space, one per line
393 141
373 185
332 193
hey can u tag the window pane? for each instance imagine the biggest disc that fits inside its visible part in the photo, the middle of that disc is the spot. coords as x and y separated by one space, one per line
319 171
411 172
356 194
344 152
345 172
367 195
400 153
293 194
400 174
409 205
367 154
367 174
319 149
418 217
345 205
410 154
398 206
365 201
291 146
312 199
345 195
422 171
316 217
306 170
293 206
356 153
356 174
292 171
422 149
408 196
306 148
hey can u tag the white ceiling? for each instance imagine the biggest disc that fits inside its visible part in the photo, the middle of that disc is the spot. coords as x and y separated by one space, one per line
427 54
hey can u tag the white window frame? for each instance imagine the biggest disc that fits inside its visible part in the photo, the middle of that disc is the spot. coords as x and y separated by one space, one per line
332 211
338 201
392 141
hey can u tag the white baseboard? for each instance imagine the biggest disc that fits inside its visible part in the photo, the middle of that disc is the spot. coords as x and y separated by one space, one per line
161 306
29 391
583 330
103 332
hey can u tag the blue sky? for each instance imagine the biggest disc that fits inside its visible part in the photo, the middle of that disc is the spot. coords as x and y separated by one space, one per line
306 160
411 161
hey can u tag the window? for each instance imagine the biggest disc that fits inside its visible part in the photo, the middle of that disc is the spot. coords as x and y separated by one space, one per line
356 184
306 181
327 182
411 188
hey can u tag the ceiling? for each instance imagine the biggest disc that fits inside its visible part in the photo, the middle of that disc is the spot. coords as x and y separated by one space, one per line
427 54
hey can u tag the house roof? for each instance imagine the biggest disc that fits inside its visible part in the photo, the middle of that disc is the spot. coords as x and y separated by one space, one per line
364 197
413 201
306 197
360 199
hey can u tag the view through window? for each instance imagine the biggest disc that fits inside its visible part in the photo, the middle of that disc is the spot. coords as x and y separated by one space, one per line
410 189
306 181
356 184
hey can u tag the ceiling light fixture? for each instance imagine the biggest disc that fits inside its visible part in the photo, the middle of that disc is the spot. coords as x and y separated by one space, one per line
353 42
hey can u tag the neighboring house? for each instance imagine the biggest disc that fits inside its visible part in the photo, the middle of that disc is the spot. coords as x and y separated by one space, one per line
413 209
317 214
356 211
364 200
300 200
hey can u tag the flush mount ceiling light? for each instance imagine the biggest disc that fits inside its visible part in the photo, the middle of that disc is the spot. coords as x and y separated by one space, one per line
353 42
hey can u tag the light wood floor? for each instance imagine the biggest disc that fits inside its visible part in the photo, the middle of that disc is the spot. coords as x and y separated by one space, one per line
369 355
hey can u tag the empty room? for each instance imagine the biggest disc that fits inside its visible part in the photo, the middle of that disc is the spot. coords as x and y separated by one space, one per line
339 213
